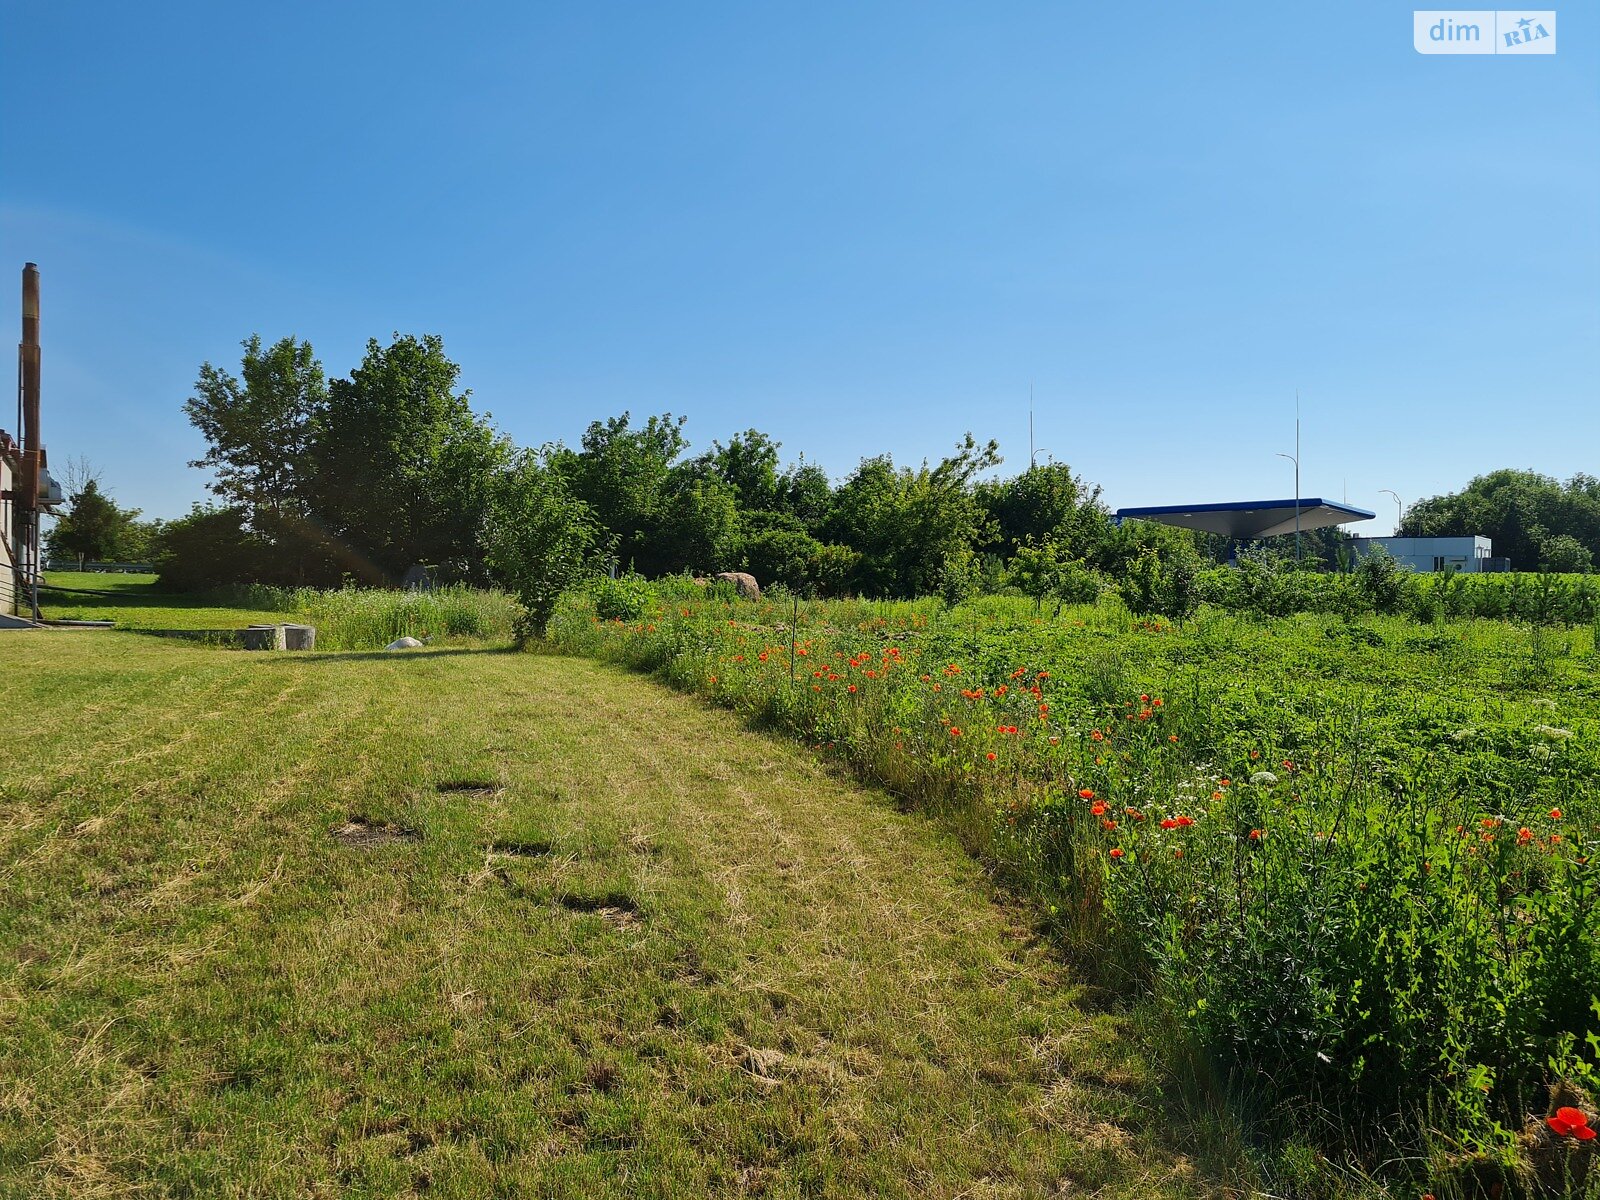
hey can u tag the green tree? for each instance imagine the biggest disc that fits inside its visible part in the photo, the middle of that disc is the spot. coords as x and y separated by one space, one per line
259 427
916 530
623 473
1564 554
806 493
404 469
1046 503
538 540
749 465
1519 511
94 527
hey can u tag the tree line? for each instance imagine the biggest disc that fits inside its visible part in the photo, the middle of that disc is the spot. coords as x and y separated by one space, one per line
320 481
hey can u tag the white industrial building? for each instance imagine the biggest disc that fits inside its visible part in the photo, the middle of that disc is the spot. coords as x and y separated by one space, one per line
1470 555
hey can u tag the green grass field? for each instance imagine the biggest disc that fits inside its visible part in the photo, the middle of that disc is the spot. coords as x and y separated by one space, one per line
136 603
468 923
345 618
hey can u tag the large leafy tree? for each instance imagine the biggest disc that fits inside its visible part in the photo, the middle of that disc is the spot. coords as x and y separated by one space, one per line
916 530
627 475
1520 512
1046 504
404 469
94 527
749 465
259 426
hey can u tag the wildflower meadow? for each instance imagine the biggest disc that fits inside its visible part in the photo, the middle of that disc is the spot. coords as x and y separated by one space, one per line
1344 866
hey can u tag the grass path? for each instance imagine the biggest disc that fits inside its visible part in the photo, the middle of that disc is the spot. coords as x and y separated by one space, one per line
657 956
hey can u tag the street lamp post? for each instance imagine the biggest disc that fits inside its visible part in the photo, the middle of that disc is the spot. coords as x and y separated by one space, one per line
1295 459
1399 508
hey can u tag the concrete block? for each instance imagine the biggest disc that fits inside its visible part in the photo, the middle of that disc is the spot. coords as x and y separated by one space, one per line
264 637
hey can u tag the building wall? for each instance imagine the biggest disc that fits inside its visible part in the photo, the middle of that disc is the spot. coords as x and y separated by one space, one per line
8 545
1466 554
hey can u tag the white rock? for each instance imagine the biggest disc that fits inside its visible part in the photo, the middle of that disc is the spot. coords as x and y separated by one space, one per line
405 643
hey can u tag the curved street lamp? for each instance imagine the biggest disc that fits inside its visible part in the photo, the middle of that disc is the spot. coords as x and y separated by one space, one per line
1295 459
1399 508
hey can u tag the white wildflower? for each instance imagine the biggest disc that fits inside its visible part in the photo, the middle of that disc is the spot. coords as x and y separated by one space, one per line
1551 732
1263 778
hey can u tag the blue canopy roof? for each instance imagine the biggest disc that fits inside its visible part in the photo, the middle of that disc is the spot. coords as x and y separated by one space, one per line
1250 519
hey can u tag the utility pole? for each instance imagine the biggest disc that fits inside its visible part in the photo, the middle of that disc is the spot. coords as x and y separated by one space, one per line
1030 424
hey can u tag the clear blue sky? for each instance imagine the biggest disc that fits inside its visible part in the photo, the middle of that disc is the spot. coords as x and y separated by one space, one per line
857 227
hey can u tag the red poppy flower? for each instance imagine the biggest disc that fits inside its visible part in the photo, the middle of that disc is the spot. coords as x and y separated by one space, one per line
1168 823
1555 814
1099 808
1097 736
1255 835
1116 852
1109 823
1086 793
1570 1122
991 756
1144 699
1184 821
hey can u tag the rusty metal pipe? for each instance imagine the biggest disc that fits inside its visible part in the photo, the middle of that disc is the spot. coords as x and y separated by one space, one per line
29 359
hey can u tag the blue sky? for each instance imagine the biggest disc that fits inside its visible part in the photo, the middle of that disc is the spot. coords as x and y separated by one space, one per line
857 227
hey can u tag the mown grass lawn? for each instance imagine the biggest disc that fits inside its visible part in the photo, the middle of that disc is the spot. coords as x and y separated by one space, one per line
135 602
631 950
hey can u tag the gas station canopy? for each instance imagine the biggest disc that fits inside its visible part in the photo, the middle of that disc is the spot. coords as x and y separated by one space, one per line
1247 520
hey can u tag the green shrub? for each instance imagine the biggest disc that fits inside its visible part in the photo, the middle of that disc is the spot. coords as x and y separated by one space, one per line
625 598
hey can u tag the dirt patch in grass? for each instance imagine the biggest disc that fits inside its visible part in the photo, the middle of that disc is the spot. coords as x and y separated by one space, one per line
618 908
522 849
363 834
469 787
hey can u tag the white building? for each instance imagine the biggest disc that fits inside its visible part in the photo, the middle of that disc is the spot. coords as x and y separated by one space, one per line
1469 554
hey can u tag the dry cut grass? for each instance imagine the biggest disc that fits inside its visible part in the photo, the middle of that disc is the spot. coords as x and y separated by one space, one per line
469 923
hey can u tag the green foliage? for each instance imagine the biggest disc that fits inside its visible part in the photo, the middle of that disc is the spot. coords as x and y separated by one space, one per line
624 475
1162 580
259 429
539 540
212 547
405 470
1376 919
1520 511
915 529
1043 571
798 561
749 465
1565 554
1381 580
96 527
1046 504
625 598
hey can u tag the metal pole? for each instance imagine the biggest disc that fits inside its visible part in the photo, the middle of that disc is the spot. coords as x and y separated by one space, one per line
1399 508
32 453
